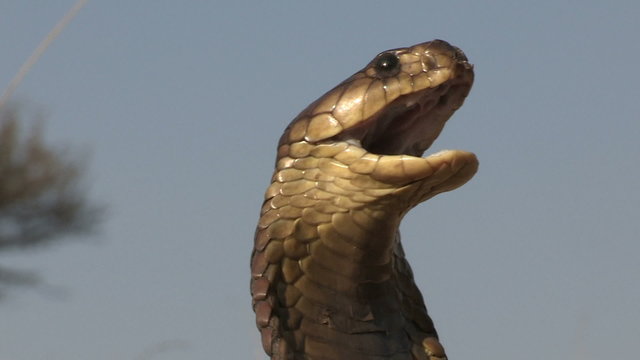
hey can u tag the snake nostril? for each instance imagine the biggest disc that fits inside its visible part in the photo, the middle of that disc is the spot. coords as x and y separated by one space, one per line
459 55
442 45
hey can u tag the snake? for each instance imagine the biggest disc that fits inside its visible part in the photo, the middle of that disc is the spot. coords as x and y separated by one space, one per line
329 276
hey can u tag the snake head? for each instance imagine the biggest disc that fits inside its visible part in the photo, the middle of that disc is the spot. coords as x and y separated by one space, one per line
390 113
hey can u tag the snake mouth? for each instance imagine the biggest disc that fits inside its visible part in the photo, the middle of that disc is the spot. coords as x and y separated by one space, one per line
409 124
389 113
399 133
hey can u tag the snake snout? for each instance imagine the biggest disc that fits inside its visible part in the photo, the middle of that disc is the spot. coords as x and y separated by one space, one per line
457 54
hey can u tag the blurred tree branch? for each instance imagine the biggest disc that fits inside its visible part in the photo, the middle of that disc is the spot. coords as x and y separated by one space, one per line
40 197
40 200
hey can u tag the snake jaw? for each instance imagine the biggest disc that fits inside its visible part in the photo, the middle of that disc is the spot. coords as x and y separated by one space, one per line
440 78
401 137
409 124
397 111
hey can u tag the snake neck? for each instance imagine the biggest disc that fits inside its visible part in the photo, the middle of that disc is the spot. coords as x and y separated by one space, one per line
330 269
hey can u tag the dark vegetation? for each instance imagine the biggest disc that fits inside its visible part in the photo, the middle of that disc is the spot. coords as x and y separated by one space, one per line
41 198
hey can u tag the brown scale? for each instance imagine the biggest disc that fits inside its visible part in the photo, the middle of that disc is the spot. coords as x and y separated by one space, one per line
329 276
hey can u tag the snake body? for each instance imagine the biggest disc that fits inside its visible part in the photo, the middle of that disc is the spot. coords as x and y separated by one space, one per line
329 276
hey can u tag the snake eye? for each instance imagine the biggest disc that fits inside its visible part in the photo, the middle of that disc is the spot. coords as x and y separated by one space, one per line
387 64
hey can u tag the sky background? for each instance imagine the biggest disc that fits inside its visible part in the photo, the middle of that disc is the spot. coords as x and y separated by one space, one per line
179 106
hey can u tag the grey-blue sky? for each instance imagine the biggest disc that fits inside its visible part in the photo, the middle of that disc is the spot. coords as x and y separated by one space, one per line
181 106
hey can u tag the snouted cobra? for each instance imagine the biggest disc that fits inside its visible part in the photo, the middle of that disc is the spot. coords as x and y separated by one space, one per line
329 276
